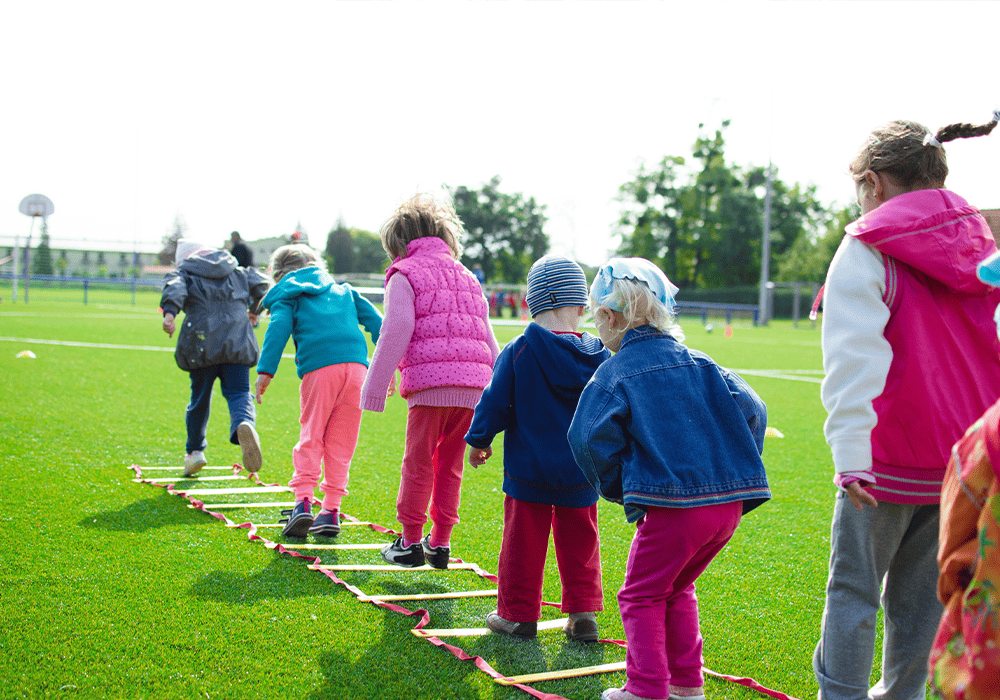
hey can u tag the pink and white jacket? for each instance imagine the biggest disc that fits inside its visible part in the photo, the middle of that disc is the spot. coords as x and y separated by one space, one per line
910 349
436 330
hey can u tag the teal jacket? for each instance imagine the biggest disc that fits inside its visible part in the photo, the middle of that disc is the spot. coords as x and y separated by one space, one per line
322 317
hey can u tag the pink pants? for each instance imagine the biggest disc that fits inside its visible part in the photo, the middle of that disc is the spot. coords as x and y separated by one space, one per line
521 567
433 461
330 399
659 608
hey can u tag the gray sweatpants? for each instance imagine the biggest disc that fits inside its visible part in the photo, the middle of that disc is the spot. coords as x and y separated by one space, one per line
897 543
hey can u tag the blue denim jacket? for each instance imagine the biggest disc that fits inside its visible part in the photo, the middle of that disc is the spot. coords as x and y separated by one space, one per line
662 425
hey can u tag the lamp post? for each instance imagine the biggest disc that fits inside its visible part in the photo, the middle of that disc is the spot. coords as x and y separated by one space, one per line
33 205
765 257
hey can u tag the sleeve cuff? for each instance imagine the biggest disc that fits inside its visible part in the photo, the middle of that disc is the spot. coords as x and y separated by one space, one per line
852 455
373 403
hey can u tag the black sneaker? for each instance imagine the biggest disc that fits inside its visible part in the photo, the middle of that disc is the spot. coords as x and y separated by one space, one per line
517 630
399 555
298 522
326 525
435 556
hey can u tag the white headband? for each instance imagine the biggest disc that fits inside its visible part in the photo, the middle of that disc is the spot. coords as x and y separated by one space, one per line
929 140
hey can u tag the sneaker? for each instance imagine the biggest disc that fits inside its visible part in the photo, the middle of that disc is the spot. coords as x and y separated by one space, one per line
519 630
250 444
326 525
620 694
436 556
298 522
194 462
581 627
399 555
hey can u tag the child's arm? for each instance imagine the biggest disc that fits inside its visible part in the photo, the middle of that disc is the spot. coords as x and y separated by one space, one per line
753 408
856 355
368 315
493 410
276 337
597 438
394 337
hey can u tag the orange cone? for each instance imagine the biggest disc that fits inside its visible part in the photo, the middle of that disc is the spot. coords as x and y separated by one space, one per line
729 330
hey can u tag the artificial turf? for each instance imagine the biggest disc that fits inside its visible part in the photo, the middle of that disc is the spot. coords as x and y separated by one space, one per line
110 588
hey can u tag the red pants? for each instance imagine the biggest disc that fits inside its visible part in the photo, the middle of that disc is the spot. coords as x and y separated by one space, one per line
433 461
521 567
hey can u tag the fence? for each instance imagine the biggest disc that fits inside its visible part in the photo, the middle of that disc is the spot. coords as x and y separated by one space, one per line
110 290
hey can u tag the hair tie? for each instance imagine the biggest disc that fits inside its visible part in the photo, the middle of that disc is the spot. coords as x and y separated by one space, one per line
996 115
929 140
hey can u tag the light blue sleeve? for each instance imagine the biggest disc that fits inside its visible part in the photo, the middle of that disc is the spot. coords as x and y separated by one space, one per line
279 329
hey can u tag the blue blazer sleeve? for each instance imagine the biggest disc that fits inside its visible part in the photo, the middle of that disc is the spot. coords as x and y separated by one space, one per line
368 315
494 407
598 439
753 408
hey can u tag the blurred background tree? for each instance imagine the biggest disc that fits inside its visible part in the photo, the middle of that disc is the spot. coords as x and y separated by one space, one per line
41 263
354 250
504 232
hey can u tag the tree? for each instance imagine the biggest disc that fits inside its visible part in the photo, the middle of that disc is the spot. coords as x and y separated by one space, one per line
168 253
41 264
808 258
703 222
504 232
353 250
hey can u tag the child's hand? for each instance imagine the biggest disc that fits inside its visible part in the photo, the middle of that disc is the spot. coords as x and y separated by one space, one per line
262 381
859 496
478 456
253 319
168 325
392 385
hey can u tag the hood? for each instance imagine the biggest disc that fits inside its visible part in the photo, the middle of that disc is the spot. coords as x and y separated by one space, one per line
569 361
934 231
217 264
305 280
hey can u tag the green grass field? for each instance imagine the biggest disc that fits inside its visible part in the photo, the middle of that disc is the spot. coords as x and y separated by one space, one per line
110 588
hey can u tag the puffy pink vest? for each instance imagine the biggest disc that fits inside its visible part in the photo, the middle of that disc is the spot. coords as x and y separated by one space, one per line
450 344
945 369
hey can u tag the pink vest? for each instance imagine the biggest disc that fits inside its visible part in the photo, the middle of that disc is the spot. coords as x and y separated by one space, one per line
945 369
450 344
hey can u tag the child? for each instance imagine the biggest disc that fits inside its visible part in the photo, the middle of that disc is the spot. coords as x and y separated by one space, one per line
965 660
437 331
677 440
902 303
216 342
535 387
331 358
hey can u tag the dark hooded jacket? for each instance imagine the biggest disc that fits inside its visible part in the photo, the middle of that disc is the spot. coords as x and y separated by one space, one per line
536 384
215 294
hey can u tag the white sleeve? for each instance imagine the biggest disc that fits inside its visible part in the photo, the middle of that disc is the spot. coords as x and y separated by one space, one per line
856 355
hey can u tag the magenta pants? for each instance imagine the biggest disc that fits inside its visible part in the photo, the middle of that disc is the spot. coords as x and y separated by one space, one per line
659 608
330 417
521 567
433 461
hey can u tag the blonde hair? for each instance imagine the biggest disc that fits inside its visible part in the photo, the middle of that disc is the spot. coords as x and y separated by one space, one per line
292 257
898 150
640 306
419 217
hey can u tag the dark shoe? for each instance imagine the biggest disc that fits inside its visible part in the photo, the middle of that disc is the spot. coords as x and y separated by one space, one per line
518 630
581 628
299 520
399 555
326 525
250 444
436 556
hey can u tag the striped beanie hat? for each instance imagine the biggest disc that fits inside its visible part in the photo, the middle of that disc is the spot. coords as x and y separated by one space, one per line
553 282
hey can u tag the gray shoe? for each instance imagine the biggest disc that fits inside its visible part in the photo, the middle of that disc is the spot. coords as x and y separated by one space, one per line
518 630
250 444
194 462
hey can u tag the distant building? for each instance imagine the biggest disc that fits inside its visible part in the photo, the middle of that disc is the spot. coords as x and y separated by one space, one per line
992 217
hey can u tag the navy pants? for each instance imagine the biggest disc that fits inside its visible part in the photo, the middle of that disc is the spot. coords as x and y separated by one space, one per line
235 382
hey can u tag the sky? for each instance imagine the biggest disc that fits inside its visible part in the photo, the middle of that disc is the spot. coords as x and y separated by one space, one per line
259 116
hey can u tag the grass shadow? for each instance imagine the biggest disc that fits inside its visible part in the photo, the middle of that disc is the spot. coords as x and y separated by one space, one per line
140 516
280 579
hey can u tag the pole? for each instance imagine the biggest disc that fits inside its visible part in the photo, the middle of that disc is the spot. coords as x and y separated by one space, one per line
765 255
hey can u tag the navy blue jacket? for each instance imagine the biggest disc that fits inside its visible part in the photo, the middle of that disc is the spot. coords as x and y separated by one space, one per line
662 425
537 380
